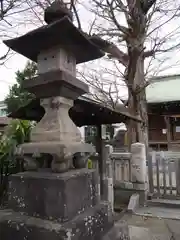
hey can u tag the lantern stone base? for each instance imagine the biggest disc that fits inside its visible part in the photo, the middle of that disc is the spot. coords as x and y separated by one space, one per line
65 155
56 135
55 206
53 196
90 225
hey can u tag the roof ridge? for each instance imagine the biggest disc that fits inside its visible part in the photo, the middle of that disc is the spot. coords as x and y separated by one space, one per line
165 77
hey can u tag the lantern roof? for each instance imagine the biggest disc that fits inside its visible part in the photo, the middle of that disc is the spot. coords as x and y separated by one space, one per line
62 33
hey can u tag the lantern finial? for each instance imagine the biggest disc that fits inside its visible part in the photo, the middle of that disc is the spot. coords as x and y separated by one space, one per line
57 10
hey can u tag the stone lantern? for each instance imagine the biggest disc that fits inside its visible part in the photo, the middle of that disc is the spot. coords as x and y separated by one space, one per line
57 48
61 204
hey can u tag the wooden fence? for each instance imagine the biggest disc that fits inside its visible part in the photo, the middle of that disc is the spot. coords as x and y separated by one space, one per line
164 174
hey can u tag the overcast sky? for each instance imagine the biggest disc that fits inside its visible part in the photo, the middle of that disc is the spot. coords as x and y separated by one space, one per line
17 62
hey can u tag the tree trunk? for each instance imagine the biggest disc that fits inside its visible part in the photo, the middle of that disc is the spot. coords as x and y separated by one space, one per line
138 132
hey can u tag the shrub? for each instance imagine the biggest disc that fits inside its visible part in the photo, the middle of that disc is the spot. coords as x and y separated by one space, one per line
17 132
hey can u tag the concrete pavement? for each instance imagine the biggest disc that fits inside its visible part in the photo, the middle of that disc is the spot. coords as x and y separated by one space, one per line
152 228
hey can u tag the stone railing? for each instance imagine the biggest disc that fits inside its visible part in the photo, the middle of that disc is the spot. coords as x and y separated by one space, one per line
120 165
128 171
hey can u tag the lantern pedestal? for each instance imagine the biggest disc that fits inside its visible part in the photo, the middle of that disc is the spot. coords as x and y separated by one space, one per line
54 206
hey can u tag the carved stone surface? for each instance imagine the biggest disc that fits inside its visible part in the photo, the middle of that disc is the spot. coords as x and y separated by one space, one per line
138 163
91 225
55 206
62 153
56 125
58 136
56 83
55 11
54 59
53 196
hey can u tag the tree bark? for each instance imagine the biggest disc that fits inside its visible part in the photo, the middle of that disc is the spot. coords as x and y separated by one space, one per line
138 132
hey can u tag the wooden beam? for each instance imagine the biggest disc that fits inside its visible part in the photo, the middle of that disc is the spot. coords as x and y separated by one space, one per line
101 160
175 116
168 127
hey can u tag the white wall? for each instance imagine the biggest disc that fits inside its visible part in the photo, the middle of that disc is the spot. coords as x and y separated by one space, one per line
2 109
82 131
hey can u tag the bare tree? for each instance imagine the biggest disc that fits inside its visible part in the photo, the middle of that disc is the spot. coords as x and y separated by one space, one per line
16 16
104 84
11 12
20 16
134 34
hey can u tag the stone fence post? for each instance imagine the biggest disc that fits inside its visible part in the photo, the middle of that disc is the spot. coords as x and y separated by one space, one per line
138 163
108 190
133 192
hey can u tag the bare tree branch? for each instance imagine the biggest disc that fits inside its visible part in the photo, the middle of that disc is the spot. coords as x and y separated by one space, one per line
113 17
156 50
5 55
76 14
132 31
112 50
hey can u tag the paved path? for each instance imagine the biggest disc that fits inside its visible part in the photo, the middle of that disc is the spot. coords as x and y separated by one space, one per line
152 228
159 212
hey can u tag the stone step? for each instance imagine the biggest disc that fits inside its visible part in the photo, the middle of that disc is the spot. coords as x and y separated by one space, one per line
144 227
139 233
142 233
92 224
164 203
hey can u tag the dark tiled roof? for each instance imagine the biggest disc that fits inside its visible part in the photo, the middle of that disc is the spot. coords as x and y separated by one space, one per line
4 121
84 112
